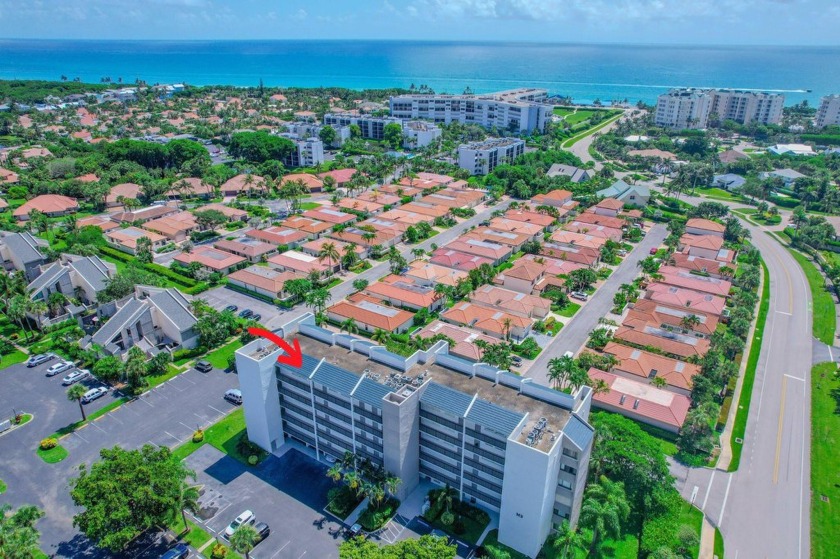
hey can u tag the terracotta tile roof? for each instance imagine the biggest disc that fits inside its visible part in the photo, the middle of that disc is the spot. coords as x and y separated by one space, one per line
103 222
686 298
681 277
359 205
311 181
247 247
356 235
554 198
435 274
90 177
674 344
411 218
640 401
128 237
507 238
8 177
231 213
572 239
464 338
594 230
514 226
144 214
553 266
590 216
580 255
642 364
486 249
278 235
238 184
403 290
396 189
696 263
47 204
341 176
707 224
210 257
172 225
306 224
264 278
646 311
365 310
610 204
126 190
190 186
543 220
513 302
330 215
424 208
377 197
709 242
314 247
482 318
527 270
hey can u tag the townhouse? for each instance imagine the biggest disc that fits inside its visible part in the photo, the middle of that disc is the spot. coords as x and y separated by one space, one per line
279 236
212 259
126 239
263 280
22 252
493 322
513 302
51 205
75 277
644 366
402 291
370 314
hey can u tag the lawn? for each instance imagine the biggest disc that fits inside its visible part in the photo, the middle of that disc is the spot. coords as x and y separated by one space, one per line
718 544
719 193
666 439
17 356
569 310
156 380
492 542
309 206
824 317
740 425
578 116
3 486
576 138
224 436
825 461
219 357
196 537
53 455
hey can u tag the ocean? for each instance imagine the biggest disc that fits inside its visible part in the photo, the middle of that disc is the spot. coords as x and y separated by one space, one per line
583 71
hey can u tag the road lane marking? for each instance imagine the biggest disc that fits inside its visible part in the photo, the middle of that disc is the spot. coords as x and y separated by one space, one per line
725 498
764 376
779 435
795 378
784 313
694 494
830 353
709 489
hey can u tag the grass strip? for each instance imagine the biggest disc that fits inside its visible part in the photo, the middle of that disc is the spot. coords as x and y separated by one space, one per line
91 417
743 410
824 318
53 455
577 137
825 461
718 544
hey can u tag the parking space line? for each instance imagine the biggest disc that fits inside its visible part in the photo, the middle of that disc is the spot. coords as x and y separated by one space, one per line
276 553
95 425
145 401
217 409
184 376
187 426
78 435
173 436
114 417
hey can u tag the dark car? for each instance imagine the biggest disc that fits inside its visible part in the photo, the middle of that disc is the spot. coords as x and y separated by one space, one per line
262 531
180 551
654 250
256 317
231 308
246 313
203 367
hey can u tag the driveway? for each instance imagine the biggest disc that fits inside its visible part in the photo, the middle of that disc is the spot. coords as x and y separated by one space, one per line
288 493
166 416
576 331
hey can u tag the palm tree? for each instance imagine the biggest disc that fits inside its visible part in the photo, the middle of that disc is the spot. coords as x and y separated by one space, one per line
188 500
559 370
350 326
334 473
391 483
659 382
75 393
443 291
330 253
353 481
244 539
380 335
568 540
506 325
603 511
690 321
56 302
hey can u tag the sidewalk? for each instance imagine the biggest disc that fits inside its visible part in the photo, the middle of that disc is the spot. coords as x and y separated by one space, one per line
707 540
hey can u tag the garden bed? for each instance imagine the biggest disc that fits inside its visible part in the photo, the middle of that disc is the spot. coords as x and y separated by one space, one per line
343 501
374 518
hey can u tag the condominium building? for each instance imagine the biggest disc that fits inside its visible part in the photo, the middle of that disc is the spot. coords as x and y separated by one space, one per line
746 107
691 108
480 158
517 110
504 443
372 127
419 134
308 152
683 108
829 112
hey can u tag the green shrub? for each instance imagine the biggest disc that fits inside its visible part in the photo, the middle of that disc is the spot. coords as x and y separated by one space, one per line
219 552
374 518
253 459
49 443
198 436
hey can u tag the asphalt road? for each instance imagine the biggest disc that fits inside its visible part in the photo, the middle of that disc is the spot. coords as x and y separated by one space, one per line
575 333
763 509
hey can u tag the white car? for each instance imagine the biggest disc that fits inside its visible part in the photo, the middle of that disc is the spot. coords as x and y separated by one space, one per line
75 377
60 367
36 360
93 394
579 295
245 518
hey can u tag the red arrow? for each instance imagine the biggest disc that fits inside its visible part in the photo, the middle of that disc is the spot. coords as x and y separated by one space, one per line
291 356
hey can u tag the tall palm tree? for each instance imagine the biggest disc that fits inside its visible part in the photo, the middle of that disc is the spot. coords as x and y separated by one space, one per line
604 510
353 481
330 253
350 326
568 540
380 335
75 393
188 499
690 321
391 483
506 325
334 473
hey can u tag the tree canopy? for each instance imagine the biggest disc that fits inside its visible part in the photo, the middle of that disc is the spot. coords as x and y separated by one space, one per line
259 146
425 547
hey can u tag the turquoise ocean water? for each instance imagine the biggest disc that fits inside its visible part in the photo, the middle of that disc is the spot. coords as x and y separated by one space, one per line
585 72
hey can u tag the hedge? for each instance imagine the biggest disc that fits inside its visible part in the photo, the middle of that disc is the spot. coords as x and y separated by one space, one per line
822 139
189 285
785 202
171 274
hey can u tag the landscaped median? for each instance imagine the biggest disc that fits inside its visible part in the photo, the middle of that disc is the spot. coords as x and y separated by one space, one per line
740 425
227 435
825 460
825 319
577 137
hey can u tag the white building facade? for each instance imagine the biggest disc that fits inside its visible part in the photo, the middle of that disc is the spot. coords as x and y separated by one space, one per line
480 158
829 112
521 450
683 108
691 108
518 110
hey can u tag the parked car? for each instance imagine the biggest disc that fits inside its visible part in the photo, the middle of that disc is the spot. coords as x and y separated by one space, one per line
75 376
231 308
516 360
579 295
247 517
246 313
256 317
355 530
203 367
180 551
60 367
263 531
654 250
569 354
621 252
93 394
234 396
36 360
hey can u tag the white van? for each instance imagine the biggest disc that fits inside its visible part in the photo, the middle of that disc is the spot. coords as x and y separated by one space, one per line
234 396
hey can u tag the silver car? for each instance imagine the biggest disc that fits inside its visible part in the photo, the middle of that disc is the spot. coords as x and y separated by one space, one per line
93 394
59 368
75 377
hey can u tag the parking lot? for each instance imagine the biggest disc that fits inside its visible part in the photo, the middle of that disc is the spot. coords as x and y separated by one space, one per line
166 415
221 297
288 492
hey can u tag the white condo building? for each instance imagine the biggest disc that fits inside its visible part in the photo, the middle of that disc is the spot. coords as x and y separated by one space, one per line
517 110
691 108
829 112
480 158
416 134
308 152
510 446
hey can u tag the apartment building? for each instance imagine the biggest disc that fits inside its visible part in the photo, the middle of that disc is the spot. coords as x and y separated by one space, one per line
829 112
308 152
691 108
419 134
520 449
372 127
479 158
517 110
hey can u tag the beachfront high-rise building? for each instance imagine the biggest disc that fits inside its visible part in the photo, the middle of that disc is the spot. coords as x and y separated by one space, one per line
508 445
480 158
691 108
746 107
517 110
829 112
683 108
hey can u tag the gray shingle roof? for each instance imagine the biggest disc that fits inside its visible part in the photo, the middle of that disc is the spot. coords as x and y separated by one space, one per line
47 278
493 417
93 270
25 246
579 432
446 399
132 309
175 306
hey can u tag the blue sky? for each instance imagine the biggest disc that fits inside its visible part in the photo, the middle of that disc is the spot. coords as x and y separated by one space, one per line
767 22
